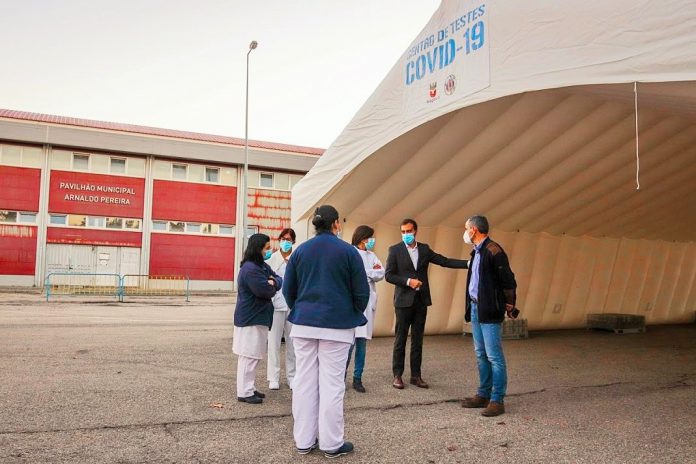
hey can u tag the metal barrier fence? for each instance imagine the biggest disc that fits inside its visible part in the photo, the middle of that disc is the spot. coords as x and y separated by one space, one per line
150 285
68 283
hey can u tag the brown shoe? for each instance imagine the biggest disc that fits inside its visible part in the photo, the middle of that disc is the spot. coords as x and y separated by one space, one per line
419 382
493 409
398 383
475 402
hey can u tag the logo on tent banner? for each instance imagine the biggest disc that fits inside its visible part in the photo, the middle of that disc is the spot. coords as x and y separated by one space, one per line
450 84
432 93
433 89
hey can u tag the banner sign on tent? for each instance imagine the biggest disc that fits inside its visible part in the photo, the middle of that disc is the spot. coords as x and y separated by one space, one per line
450 59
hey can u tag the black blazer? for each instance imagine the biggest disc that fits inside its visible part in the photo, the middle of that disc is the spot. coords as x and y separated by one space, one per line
400 269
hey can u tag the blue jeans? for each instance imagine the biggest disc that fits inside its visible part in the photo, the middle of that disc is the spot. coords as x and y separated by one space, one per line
360 352
488 347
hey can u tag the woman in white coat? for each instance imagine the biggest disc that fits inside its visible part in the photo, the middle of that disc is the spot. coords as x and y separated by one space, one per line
364 241
281 327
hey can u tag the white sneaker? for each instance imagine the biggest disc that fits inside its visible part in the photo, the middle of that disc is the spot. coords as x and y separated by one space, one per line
274 385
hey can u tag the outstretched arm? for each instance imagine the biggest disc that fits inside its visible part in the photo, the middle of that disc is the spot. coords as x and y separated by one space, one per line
444 261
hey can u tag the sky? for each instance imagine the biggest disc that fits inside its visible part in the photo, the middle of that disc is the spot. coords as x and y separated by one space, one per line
180 64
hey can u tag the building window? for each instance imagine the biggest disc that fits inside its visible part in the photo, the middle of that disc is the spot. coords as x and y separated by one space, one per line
133 224
212 175
27 217
251 230
114 223
8 216
81 162
194 228
159 225
211 229
118 165
58 219
266 180
95 221
226 230
176 226
77 221
179 171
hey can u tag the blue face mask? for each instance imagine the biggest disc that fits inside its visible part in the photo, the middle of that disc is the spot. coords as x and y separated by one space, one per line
285 245
267 255
370 243
408 238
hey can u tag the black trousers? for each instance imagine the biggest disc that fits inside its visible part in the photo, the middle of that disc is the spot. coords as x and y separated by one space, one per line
412 317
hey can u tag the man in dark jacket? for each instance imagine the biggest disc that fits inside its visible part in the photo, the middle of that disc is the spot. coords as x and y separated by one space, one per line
491 293
407 269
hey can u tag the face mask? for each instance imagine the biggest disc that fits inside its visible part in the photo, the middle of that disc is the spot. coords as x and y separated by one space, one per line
467 238
267 255
370 243
339 233
285 245
408 238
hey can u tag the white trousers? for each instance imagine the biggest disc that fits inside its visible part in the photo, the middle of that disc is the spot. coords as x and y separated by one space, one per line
317 395
280 326
246 376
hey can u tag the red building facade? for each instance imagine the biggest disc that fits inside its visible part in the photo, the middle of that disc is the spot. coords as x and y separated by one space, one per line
174 212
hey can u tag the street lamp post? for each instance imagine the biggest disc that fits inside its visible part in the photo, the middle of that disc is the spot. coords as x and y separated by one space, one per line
252 46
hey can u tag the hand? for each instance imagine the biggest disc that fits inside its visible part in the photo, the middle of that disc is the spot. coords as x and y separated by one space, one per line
415 284
271 282
376 266
511 311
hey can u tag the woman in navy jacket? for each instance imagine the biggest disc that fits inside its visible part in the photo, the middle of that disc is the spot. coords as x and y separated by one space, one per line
326 290
253 315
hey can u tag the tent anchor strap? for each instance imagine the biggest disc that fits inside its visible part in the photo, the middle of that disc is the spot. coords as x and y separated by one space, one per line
635 107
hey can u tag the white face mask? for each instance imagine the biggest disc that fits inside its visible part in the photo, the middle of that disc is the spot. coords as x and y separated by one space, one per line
467 238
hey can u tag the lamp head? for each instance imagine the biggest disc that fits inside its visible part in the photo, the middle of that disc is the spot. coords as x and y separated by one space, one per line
253 45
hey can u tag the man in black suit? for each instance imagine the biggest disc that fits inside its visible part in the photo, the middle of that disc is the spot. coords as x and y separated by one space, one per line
407 269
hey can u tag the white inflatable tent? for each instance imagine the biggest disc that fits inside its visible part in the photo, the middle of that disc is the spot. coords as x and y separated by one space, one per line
546 117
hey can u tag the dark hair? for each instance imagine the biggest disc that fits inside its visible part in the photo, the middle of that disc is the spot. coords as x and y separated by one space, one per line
361 233
254 249
410 221
324 217
480 222
288 230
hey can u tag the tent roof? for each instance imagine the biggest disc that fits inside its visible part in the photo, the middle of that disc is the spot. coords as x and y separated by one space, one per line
549 144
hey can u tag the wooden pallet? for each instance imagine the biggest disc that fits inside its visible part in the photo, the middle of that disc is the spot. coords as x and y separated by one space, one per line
513 329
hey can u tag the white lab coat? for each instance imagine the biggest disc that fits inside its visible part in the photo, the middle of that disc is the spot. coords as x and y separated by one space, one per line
281 327
276 261
373 276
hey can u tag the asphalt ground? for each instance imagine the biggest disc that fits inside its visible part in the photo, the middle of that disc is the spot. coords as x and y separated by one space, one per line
153 381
